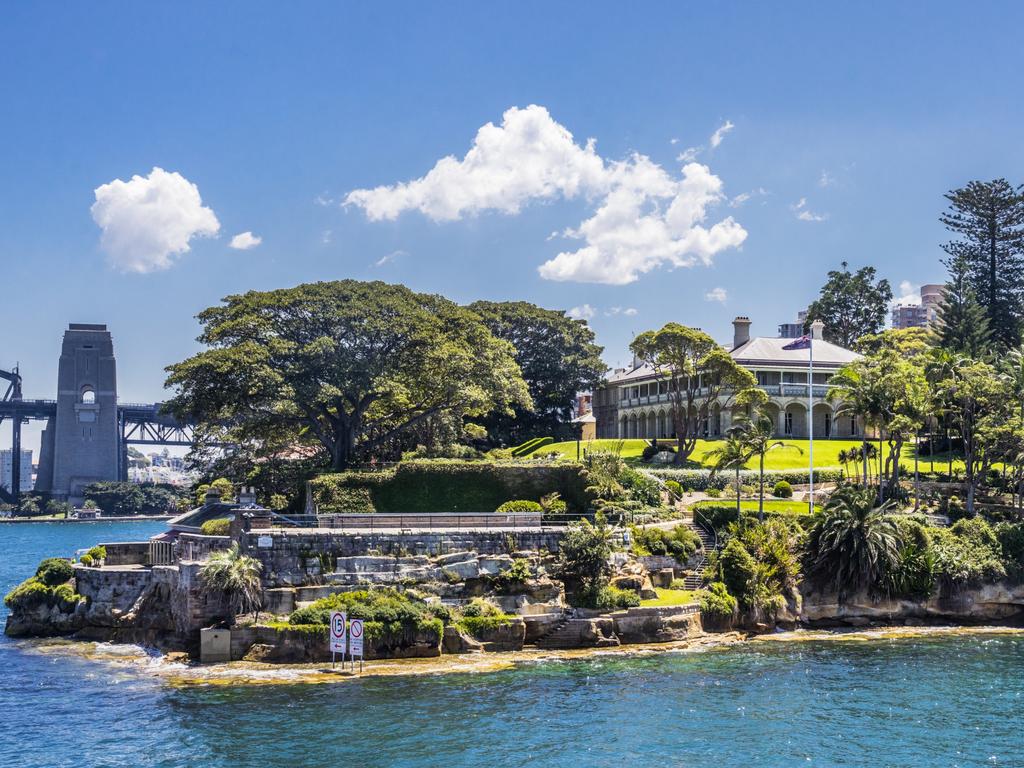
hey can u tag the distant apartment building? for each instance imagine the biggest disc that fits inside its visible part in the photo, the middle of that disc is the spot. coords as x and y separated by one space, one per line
7 470
920 315
793 330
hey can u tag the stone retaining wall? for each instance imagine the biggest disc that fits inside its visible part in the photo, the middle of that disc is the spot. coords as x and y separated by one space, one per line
284 552
127 553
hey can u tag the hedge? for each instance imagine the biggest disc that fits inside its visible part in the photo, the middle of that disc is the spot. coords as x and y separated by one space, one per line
519 506
719 515
449 486
531 445
702 479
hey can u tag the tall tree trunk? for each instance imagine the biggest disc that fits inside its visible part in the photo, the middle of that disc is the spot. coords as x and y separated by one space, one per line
760 491
881 491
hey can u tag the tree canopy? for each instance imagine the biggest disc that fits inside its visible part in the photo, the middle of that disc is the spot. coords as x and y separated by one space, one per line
345 368
851 305
558 358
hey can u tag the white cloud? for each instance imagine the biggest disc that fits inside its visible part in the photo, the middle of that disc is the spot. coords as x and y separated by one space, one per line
389 257
627 311
643 216
716 294
688 155
584 312
743 197
803 214
326 236
244 241
910 293
826 180
719 134
149 220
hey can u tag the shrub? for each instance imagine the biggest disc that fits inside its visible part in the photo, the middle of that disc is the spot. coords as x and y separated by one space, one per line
716 601
713 493
28 594
782 490
514 576
702 479
478 607
478 625
738 569
518 506
54 571
968 552
392 611
220 526
98 552
674 488
612 598
747 490
640 487
583 553
86 560
679 543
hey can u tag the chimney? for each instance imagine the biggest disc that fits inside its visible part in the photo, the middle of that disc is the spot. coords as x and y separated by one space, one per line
247 496
212 497
740 331
817 328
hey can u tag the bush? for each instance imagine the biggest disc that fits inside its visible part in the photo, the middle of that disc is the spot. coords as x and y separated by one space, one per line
478 607
782 490
86 560
220 526
449 486
713 493
679 543
613 598
738 569
519 506
702 479
99 552
478 625
515 576
54 571
674 488
29 594
390 610
716 602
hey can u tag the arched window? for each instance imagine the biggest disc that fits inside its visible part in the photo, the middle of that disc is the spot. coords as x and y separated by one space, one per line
88 396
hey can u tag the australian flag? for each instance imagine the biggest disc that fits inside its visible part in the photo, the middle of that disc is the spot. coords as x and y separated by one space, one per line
804 342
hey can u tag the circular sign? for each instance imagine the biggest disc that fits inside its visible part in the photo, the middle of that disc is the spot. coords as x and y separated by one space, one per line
357 628
338 625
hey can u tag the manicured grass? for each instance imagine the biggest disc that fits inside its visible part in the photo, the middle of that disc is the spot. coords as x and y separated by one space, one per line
668 597
795 454
784 506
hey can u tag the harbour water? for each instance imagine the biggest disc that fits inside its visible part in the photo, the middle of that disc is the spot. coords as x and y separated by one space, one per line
930 700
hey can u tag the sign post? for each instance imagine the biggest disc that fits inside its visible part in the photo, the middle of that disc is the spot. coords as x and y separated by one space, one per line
356 645
337 635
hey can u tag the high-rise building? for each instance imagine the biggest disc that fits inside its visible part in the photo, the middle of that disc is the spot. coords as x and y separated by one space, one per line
7 470
794 330
919 315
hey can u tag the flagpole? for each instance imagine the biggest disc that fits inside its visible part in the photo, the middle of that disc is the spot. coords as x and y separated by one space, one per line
810 413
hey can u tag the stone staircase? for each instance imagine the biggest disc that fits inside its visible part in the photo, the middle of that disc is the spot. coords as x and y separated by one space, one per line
573 632
695 579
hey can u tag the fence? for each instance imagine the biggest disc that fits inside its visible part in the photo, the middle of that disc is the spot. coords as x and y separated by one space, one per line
383 521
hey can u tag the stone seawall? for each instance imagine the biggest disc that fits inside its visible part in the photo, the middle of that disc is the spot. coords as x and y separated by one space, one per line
127 553
287 553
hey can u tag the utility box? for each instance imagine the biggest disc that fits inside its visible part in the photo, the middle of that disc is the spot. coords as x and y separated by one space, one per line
214 645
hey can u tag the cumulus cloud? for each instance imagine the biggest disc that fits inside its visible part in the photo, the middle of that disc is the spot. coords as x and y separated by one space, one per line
716 294
149 220
719 134
244 241
910 293
584 312
643 216
615 311
804 214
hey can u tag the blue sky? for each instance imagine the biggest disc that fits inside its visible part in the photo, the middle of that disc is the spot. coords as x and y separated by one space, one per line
277 112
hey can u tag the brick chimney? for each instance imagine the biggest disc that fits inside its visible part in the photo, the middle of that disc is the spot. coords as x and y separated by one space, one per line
817 329
740 331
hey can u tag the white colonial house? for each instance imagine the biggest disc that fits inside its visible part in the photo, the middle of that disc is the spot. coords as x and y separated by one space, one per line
636 403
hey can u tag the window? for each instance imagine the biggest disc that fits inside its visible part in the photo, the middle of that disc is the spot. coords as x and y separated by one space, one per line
88 396
789 423
828 425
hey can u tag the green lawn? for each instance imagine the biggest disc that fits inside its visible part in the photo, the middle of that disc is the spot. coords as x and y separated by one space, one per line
785 506
794 455
668 597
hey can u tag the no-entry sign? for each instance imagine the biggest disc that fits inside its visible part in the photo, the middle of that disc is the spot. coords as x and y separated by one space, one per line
337 639
356 638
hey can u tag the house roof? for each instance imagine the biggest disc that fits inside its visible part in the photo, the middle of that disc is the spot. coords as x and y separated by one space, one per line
763 351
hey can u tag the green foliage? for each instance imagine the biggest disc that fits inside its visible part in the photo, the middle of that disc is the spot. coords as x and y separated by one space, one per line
29 594
1011 542
674 488
478 626
680 543
702 479
583 555
912 572
347 369
86 560
519 506
782 490
851 305
220 526
234 575
737 568
221 484
116 498
390 610
448 486
969 553
98 552
716 602
713 493
530 446
479 607
554 507
613 598
54 571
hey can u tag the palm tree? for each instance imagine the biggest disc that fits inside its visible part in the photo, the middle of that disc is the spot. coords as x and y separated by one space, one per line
756 435
236 576
732 454
859 391
853 544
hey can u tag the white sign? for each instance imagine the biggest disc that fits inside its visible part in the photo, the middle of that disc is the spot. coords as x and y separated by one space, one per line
356 635
265 542
337 637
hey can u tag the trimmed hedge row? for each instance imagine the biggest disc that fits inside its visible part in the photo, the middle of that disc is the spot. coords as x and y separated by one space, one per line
702 479
720 515
449 486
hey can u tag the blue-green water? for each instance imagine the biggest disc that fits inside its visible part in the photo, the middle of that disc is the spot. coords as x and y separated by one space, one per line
934 701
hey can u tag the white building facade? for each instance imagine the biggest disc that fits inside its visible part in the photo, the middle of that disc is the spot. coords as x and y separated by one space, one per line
7 470
637 403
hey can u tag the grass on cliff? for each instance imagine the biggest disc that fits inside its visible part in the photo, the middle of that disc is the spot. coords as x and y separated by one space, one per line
671 597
